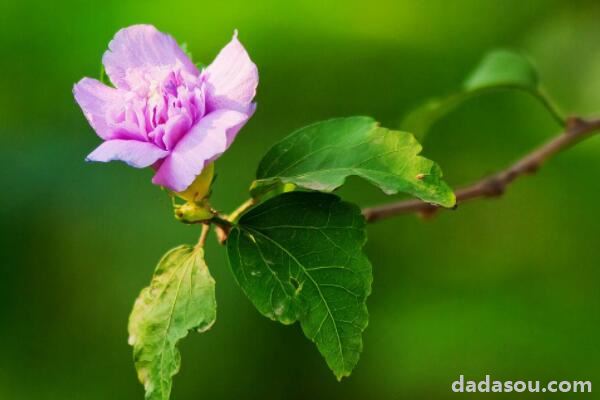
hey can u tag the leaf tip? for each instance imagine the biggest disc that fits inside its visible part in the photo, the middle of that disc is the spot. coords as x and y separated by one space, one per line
339 375
451 200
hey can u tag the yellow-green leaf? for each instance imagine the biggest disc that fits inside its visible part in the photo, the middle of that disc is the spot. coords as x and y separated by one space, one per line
180 298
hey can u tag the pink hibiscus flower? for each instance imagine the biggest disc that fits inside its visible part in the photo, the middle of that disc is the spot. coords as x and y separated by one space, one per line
163 112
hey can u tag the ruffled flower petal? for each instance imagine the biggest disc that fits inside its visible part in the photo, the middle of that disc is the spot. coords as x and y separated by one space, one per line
175 128
95 99
231 79
135 153
206 141
140 46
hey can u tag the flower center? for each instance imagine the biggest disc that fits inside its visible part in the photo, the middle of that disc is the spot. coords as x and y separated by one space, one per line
162 105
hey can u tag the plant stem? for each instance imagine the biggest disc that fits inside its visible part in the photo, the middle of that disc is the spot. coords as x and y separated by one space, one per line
577 129
203 234
240 210
222 227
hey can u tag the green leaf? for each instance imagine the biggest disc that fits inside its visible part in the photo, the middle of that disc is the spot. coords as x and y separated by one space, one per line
298 257
500 69
181 297
321 157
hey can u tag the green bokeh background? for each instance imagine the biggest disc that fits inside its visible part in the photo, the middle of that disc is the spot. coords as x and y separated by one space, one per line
503 287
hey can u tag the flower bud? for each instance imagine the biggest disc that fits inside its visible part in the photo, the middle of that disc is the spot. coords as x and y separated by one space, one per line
192 212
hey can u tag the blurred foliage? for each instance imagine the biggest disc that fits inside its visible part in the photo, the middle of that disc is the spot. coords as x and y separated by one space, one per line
498 70
506 287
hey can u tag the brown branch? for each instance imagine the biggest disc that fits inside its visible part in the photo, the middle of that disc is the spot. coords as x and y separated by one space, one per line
203 234
222 227
576 130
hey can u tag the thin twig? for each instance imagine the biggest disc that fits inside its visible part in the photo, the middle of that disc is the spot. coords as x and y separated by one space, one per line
577 129
203 234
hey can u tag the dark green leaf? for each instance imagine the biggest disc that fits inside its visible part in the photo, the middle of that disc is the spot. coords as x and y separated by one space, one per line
181 297
500 69
321 157
298 257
